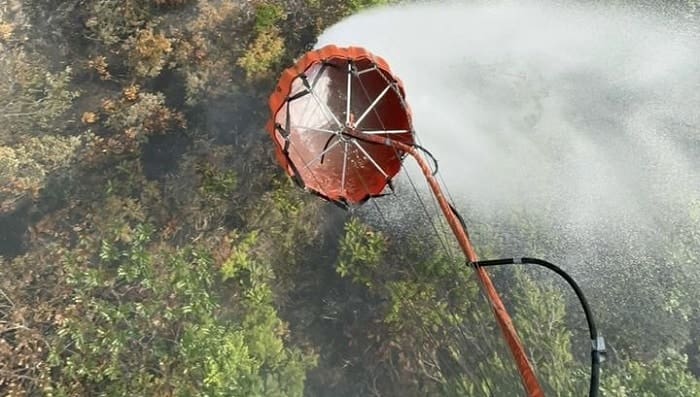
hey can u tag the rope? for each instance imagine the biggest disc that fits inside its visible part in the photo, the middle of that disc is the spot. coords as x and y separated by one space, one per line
525 368
440 236
442 204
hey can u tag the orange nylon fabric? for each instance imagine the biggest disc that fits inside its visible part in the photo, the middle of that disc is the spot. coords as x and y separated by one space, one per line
318 97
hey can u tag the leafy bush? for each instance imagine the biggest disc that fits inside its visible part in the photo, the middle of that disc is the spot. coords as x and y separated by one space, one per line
148 52
267 16
665 376
262 54
33 99
146 318
361 253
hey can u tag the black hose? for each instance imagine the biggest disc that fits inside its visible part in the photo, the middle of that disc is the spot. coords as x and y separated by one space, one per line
328 142
459 218
424 150
598 343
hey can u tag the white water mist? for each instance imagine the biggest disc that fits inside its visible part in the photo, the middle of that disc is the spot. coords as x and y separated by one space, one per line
588 117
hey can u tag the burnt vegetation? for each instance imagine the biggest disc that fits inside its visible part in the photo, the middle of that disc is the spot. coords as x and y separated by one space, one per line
149 245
